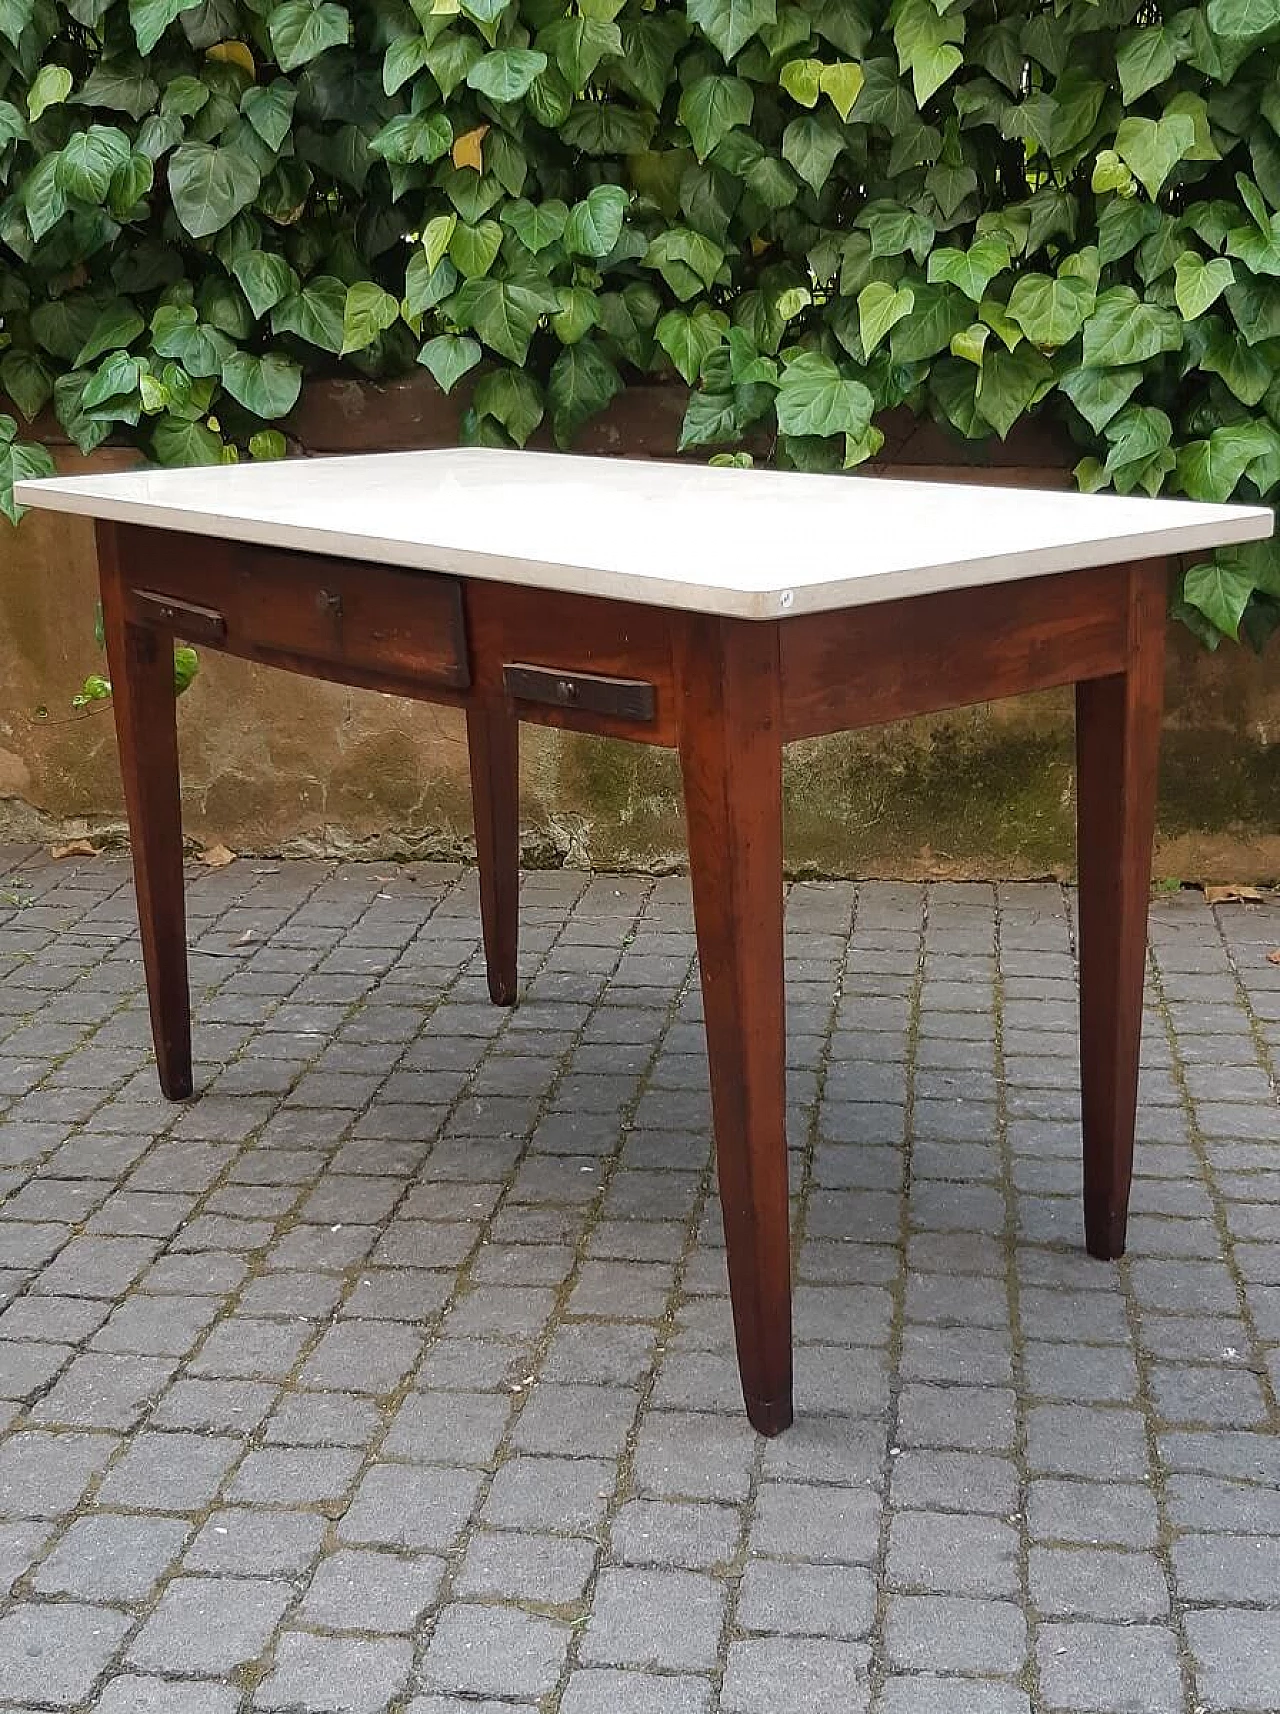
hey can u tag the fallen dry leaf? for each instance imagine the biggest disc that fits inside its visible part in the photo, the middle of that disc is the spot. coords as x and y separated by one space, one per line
73 848
1273 957
1233 894
216 856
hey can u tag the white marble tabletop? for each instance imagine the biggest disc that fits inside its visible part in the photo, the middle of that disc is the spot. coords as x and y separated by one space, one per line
750 544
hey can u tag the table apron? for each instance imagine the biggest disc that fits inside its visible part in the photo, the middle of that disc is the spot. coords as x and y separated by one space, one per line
865 666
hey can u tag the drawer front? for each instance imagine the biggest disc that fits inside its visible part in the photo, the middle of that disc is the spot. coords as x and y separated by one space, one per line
295 609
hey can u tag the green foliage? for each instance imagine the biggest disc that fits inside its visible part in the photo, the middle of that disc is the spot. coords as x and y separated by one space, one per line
807 212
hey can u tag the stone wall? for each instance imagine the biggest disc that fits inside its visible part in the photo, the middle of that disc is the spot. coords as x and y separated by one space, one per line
276 763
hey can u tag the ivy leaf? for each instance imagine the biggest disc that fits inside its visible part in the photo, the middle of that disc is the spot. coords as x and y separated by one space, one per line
210 186
1144 59
268 386
367 311
926 44
1099 393
812 145
578 45
595 224
504 312
512 399
535 225
264 279
689 337
936 315
50 87
151 18
880 308
842 85
971 270
815 398
314 314
1123 330
1198 284
582 382
1242 19
117 325
711 107
1153 147
1050 311
474 249
269 109
20 461
121 83
301 30
730 24
1211 469
176 441
449 357
1221 591
1008 383
26 380
687 261
802 80
507 74
1135 435
88 161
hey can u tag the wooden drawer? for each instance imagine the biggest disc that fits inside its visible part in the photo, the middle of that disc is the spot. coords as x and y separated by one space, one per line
301 609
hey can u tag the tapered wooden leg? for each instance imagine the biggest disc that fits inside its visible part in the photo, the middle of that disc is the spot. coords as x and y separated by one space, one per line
493 745
731 758
140 660
1117 752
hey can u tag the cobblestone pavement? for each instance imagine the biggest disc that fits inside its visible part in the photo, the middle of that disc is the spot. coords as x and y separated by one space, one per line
395 1372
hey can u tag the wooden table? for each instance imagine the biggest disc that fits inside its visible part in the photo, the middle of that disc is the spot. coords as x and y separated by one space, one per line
722 612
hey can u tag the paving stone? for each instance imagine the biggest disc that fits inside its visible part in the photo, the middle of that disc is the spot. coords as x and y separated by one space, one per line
670 1620
494 1651
1097 1583
335 1675
209 1625
595 1688
409 1507
800 1674
539 1570
948 1553
111 1558
953 1633
52 1654
261 1544
921 1693
806 1600
1110 1669
367 1591
44 1475
170 1472
675 1533
132 1694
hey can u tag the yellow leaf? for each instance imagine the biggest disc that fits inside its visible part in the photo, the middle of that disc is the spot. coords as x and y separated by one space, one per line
233 53
466 149
1273 957
759 246
73 848
1233 894
842 85
217 856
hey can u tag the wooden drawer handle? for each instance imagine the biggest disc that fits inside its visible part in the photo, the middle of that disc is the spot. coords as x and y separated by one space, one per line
623 698
197 624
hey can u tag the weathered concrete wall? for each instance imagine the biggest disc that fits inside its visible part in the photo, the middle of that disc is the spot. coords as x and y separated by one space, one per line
278 763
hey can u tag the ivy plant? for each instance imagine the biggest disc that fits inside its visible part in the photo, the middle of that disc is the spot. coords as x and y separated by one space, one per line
806 212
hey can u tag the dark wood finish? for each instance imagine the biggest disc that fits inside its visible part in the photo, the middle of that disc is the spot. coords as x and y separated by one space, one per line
896 659
1117 750
493 748
728 694
730 729
183 618
307 612
140 661
624 698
